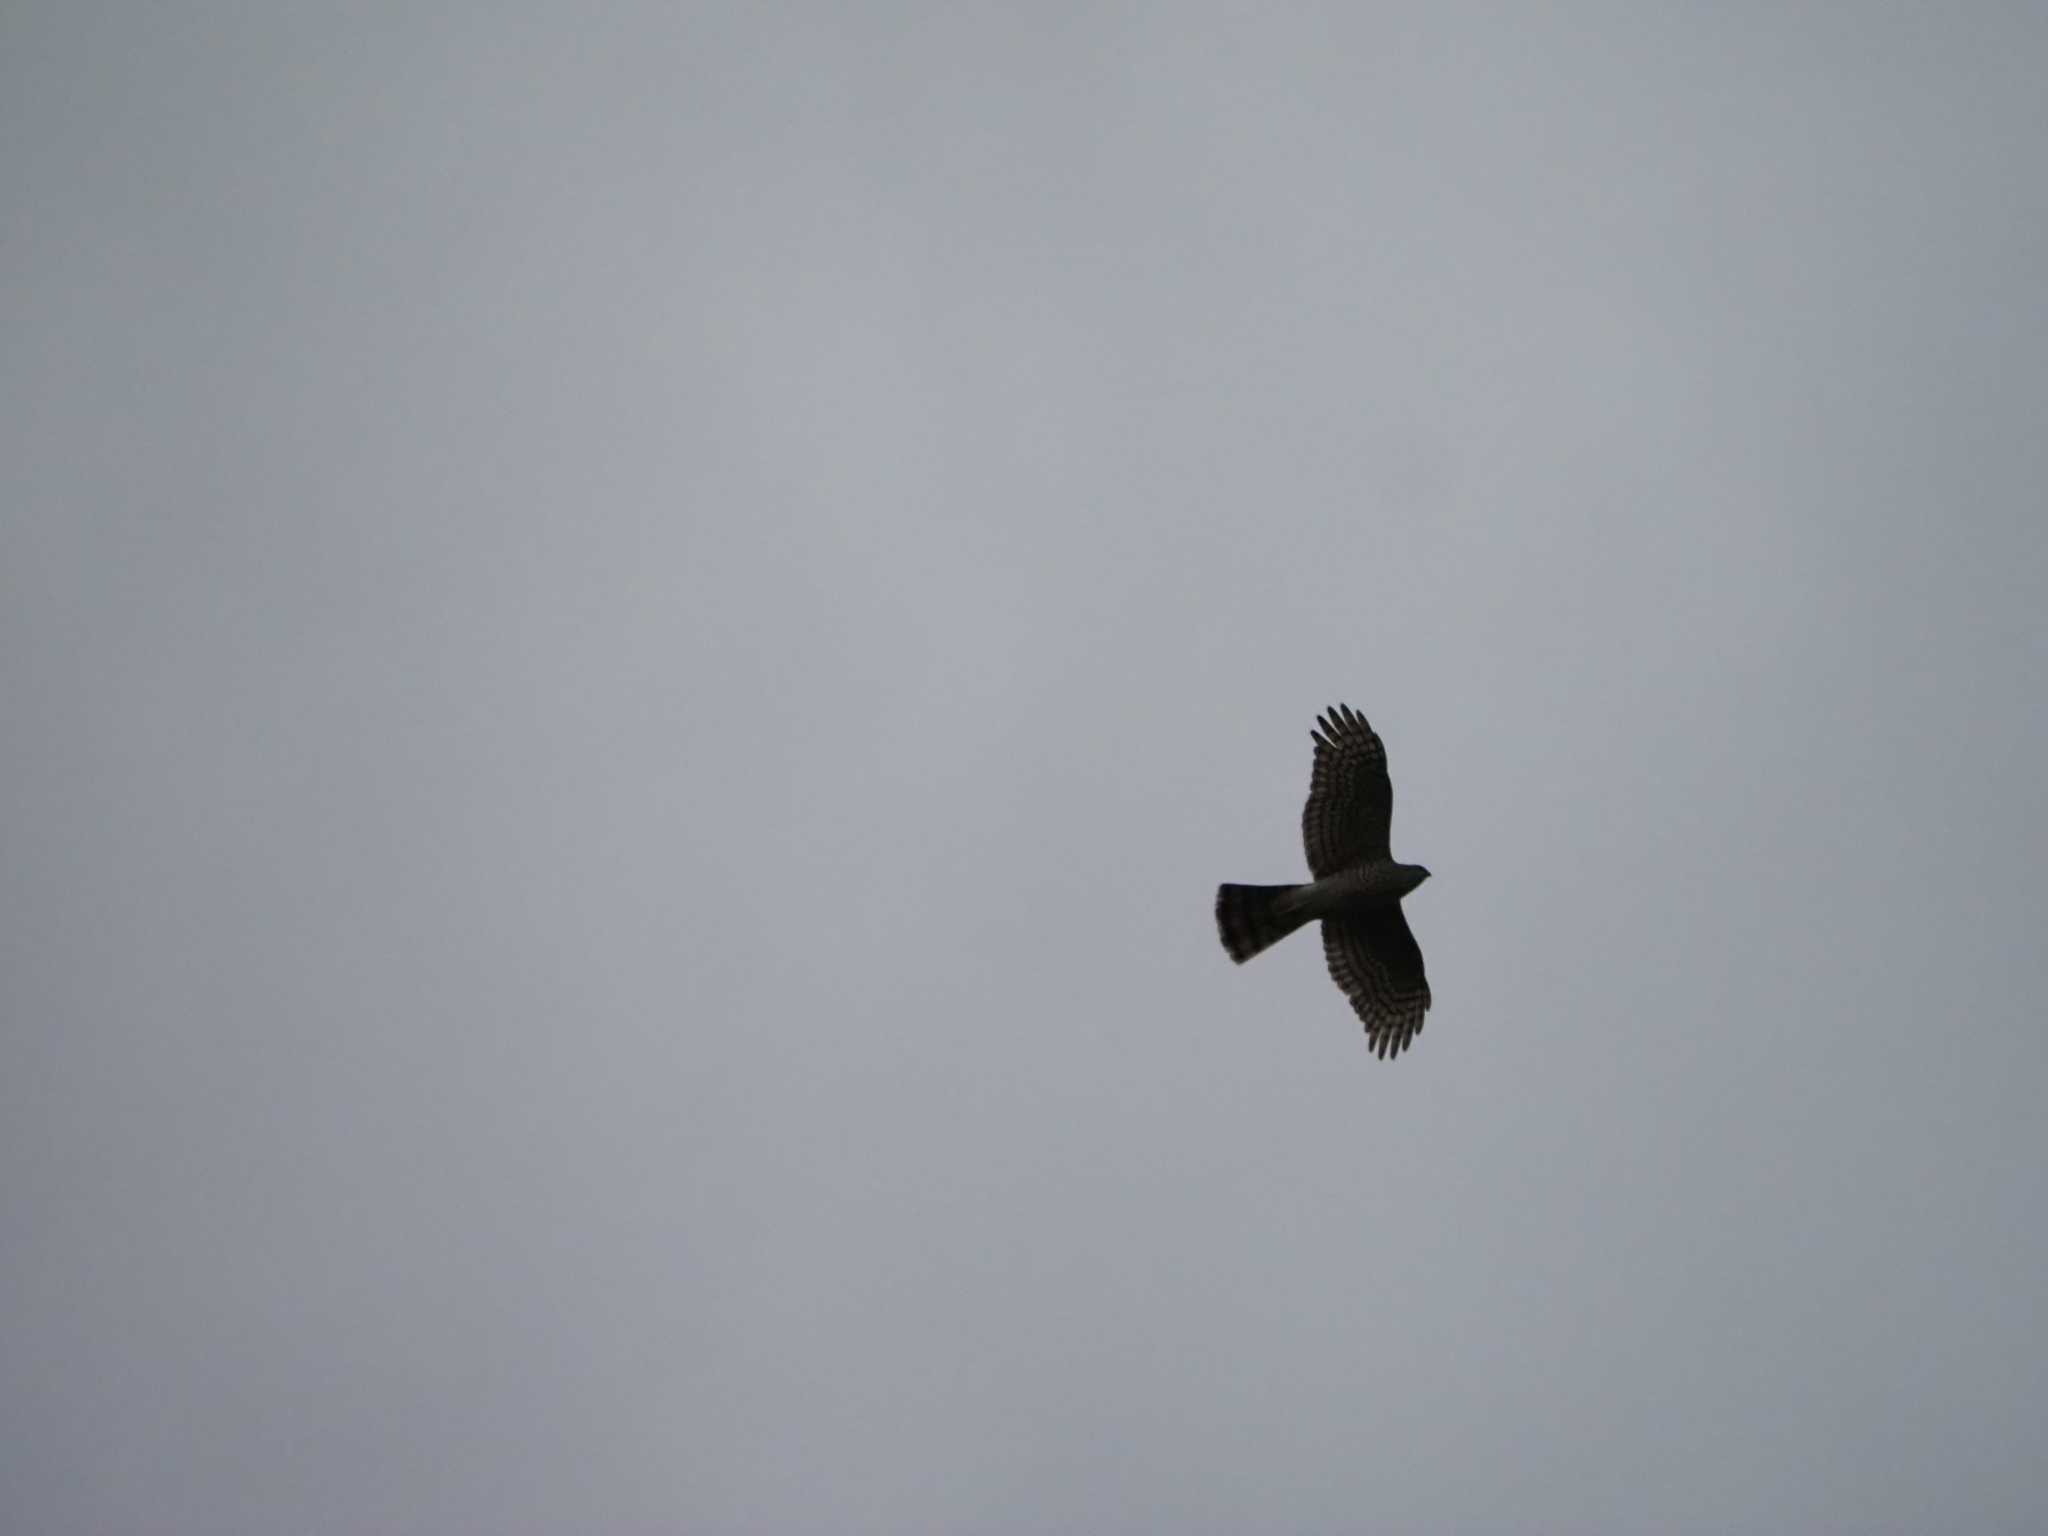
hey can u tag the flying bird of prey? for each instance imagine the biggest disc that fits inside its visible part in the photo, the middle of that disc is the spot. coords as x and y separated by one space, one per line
1356 891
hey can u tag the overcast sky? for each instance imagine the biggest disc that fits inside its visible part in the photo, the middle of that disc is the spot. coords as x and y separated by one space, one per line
632 641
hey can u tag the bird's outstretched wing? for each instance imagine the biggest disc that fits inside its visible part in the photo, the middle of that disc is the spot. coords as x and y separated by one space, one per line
1376 963
1350 797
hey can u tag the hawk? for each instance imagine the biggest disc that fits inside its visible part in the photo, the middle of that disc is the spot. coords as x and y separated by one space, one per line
1356 891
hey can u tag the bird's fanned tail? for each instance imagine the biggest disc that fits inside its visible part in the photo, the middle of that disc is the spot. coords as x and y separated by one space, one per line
1255 917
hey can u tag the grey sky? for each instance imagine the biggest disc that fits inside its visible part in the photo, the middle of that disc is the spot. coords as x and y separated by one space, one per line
631 645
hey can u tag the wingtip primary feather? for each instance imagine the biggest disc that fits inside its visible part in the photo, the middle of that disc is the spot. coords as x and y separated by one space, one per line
1341 720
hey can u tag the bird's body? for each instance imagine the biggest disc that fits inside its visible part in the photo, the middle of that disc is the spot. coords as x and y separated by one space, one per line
1356 893
1368 885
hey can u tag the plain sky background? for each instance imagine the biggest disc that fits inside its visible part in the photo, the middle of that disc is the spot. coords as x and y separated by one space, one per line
632 640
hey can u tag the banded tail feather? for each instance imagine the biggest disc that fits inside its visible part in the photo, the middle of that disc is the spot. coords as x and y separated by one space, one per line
1255 917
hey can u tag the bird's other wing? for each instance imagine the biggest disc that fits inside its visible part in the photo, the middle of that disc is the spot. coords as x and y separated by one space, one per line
1376 962
1350 797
